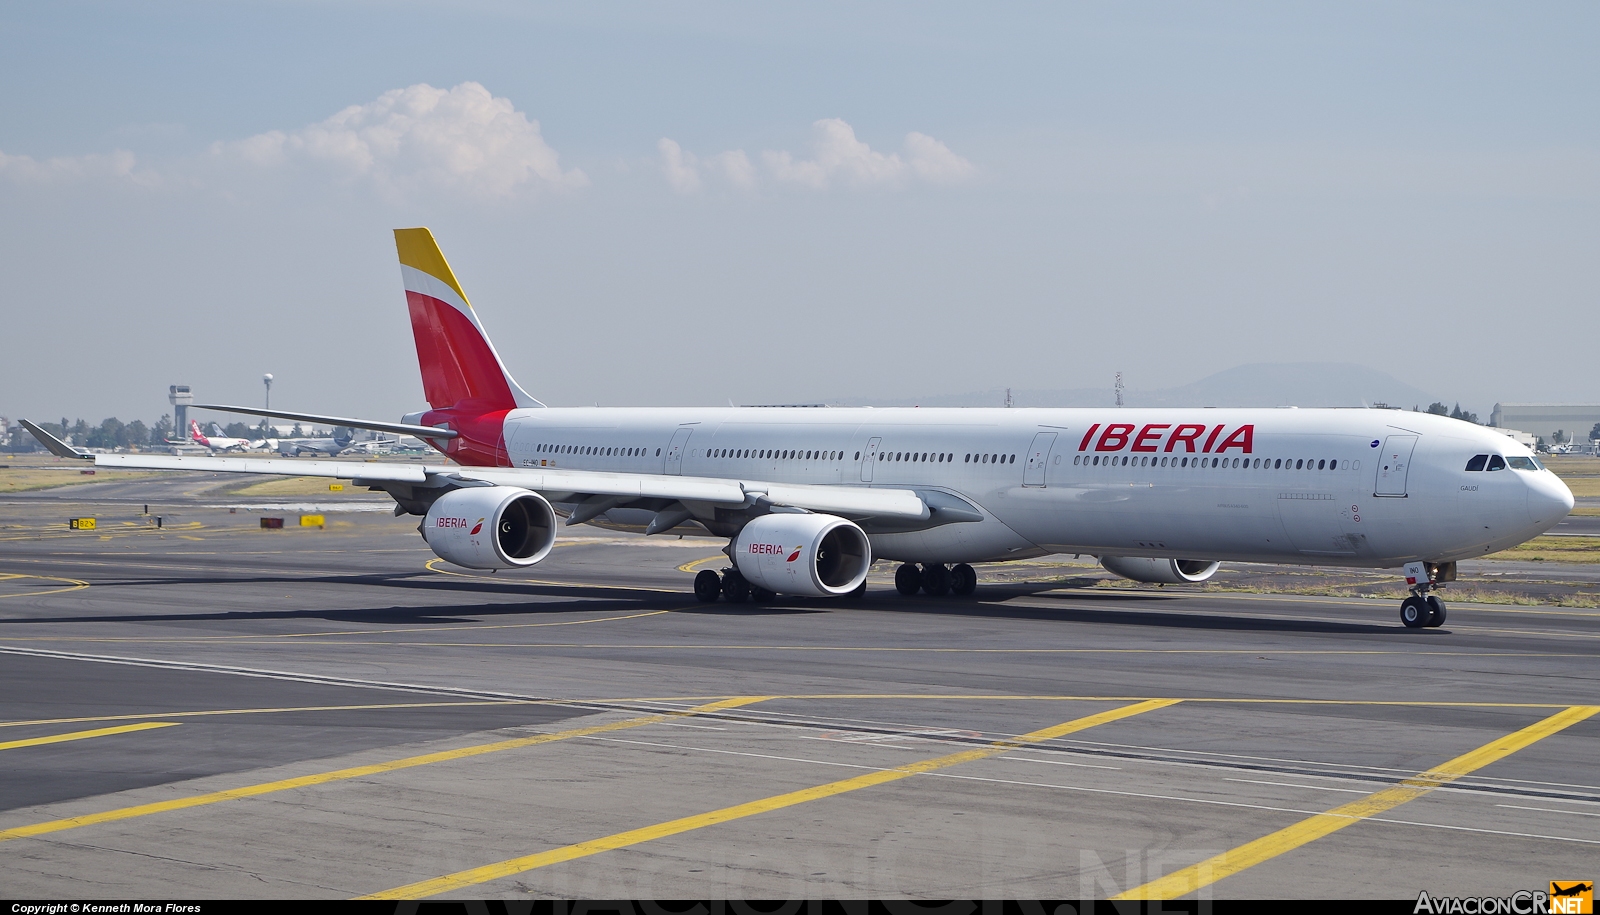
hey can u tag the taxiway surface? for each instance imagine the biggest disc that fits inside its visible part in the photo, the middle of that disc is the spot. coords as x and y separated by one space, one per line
216 710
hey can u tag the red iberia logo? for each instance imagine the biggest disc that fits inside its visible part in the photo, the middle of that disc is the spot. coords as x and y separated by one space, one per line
476 528
795 555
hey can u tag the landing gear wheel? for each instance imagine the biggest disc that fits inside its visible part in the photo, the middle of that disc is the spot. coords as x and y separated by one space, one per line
860 591
734 587
1436 611
761 595
963 580
908 579
707 586
935 579
1414 612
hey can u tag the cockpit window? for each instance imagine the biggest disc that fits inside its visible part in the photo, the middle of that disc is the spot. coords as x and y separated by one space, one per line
1522 463
1477 461
1496 462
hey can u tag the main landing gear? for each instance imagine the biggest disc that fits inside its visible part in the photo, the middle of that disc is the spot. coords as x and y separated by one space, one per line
708 586
935 579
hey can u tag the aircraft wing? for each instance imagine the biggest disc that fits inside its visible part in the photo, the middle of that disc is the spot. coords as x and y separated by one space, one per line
567 485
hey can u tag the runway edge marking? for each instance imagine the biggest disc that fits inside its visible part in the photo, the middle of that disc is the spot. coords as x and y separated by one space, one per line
322 778
1270 846
513 866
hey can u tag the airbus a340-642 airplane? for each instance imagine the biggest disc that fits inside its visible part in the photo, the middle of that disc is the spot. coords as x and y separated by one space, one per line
808 497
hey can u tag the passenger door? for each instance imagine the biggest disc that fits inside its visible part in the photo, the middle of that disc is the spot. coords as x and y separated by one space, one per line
674 461
869 457
1394 464
1038 459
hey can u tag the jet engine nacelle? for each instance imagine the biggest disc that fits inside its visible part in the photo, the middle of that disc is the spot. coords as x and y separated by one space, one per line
1160 571
490 527
813 555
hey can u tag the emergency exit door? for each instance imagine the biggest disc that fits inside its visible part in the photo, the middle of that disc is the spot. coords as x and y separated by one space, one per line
674 462
869 458
1038 458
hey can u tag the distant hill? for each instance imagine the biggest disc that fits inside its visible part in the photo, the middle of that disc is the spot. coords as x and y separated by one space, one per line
1261 384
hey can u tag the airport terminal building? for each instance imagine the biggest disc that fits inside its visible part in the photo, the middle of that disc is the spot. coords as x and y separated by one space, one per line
1543 419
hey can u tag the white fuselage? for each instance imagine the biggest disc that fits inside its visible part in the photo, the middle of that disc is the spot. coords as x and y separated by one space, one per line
1373 488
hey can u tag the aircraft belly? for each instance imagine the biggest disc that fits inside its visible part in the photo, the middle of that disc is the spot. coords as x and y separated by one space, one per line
1193 521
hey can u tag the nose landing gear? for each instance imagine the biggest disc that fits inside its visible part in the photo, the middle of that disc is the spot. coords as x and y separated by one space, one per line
1423 610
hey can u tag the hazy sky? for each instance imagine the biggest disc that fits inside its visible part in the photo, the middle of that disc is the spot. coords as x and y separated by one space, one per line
696 203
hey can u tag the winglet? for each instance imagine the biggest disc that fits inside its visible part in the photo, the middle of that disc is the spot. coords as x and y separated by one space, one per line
56 446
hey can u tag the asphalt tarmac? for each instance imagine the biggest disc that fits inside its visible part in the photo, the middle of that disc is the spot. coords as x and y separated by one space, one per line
210 709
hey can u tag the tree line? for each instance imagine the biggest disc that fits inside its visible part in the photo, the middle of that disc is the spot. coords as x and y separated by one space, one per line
114 433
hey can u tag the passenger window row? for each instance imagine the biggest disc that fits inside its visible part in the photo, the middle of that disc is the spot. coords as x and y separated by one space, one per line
597 450
1114 460
777 454
935 457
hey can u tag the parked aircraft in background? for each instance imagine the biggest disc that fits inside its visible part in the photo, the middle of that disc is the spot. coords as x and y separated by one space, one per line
294 447
216 441
807 498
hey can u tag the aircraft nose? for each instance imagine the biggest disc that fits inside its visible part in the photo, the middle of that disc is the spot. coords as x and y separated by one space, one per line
1549 499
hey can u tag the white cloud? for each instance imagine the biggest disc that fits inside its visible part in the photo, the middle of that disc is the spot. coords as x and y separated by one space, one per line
462 139
683 169
837 157
117 165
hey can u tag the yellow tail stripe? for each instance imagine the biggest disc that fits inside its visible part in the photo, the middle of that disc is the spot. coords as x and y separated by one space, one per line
419 251
1267 847
476 875
322 778
85 735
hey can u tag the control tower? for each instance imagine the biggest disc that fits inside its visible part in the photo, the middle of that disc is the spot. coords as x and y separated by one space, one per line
178 395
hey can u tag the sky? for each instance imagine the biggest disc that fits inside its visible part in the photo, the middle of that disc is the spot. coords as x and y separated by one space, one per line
704 203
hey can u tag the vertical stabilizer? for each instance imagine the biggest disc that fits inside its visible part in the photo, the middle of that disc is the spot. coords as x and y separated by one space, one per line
459 365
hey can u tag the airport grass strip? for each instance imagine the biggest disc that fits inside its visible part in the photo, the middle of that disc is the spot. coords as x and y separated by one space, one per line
322 778
425 888
85 735
1209 871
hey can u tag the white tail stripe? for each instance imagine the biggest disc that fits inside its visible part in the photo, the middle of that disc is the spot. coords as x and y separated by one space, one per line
417 281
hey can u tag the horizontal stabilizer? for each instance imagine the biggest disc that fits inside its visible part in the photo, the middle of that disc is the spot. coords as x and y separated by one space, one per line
57 447
373 425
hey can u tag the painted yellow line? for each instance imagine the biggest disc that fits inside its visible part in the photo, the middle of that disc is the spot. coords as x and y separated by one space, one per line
1290 838
323 778
691 566
206 713
73 584
85 735
476 875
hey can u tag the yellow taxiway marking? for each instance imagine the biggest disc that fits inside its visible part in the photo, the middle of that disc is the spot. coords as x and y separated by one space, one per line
322 778
205 713
1207 872
437 885
85 735
695 564
73 584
